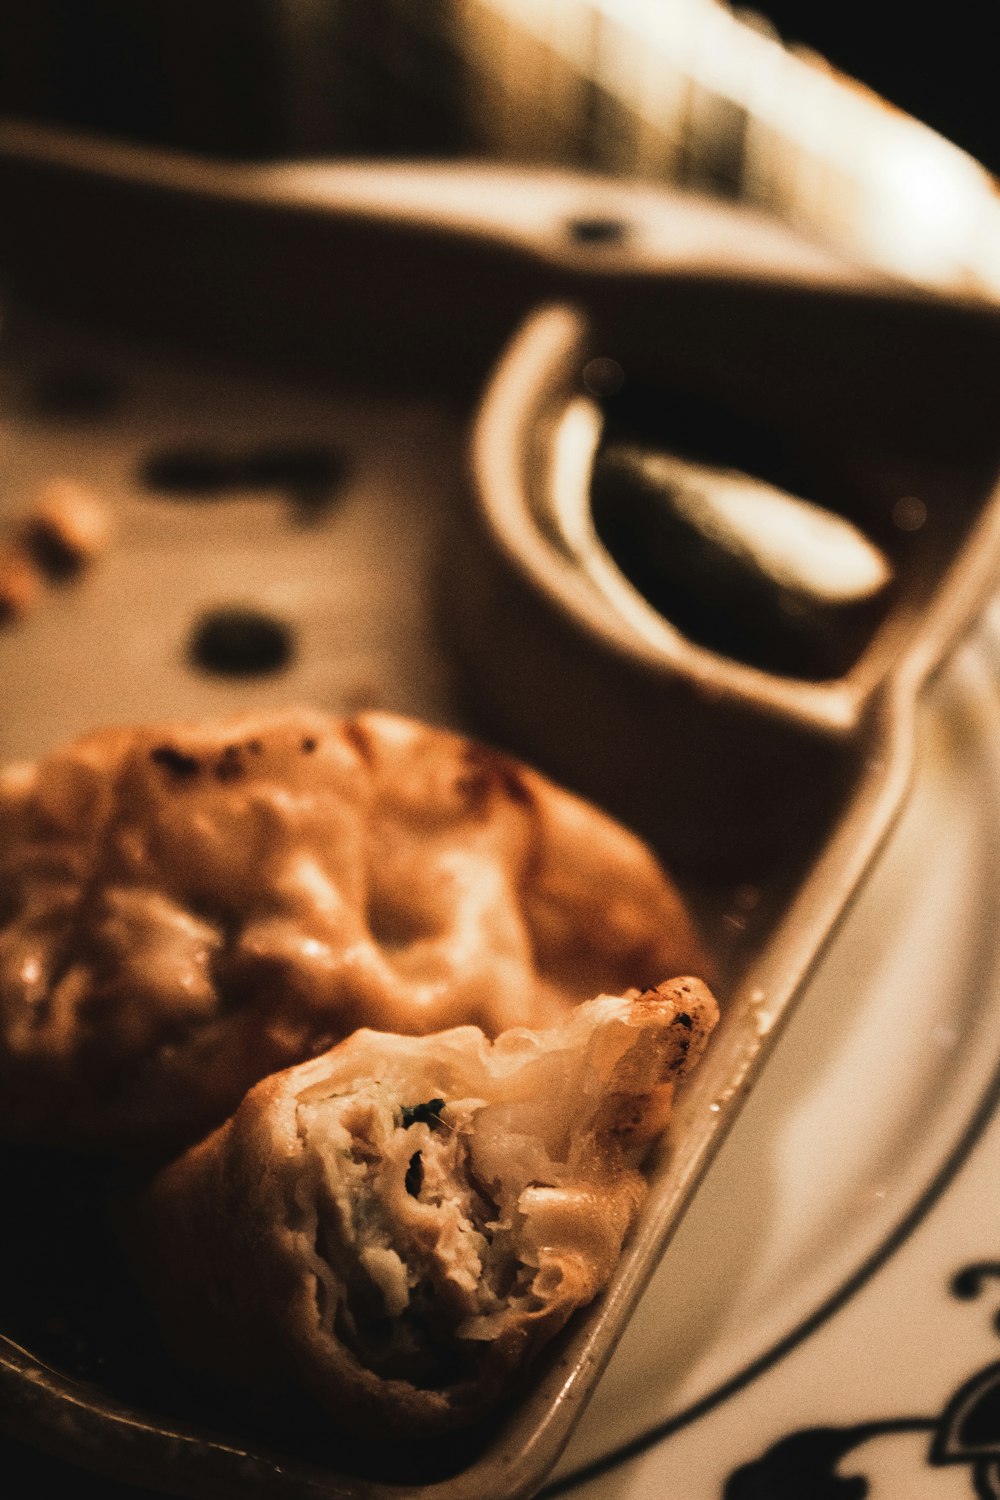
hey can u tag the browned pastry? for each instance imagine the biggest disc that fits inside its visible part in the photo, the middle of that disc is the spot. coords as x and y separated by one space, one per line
184 909
397 1226
20 583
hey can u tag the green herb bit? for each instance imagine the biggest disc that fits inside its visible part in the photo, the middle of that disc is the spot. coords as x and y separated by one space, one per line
414 1179
423 1114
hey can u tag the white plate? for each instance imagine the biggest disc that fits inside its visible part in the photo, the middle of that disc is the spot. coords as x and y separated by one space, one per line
870 1102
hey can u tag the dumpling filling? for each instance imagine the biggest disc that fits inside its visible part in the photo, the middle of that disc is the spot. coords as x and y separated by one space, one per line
397 1226
448 1224
405 1235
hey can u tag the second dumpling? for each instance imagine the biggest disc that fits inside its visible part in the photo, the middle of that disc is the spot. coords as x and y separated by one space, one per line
185 909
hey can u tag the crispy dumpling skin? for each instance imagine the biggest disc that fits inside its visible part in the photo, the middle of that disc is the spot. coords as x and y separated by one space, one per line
185 909
396 1227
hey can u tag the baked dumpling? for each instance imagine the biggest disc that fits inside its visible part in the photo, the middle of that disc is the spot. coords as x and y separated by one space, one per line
184 909
397 1226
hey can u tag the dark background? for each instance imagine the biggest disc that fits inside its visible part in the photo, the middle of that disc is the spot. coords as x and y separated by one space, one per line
241 78
224 76
937 62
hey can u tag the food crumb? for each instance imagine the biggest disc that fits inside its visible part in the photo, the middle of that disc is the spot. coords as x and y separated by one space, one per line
66 528
241 642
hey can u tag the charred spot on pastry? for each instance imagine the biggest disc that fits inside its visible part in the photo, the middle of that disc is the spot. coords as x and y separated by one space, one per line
513 781
487 772
176 762
355 735
683 1019
229 770
241 643
229 766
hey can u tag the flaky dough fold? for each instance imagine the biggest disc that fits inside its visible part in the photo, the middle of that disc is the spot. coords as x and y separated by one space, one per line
397 1226
186 908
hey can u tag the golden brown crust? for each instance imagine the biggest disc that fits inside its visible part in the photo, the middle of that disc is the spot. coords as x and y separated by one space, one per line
184 909
289 1249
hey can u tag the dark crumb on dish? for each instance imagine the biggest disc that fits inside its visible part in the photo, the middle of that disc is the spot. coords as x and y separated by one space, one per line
310 475
295 466
241 643
194 471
